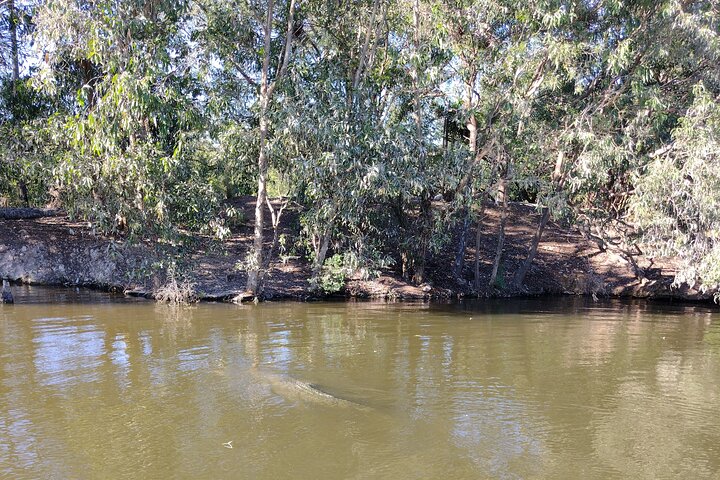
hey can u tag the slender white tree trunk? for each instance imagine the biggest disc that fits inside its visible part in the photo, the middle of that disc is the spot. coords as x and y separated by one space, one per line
254 282
465 182
478 239
425 216
501 230
14 41
257 268
557 181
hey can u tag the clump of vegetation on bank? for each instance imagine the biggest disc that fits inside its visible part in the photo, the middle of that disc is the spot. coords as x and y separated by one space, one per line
390 125
176 291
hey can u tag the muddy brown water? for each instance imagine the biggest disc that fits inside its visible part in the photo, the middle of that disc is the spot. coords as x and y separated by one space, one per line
98 387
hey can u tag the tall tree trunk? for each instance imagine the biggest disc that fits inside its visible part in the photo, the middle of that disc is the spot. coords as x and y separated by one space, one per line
425 232
557 181
256 269
478 238
89 81
462 243
13 20
254 282
324 235
425 218
466 181
417 106
321 253
276 216
398 208
14 53
532 251
14 42
472 137
501 230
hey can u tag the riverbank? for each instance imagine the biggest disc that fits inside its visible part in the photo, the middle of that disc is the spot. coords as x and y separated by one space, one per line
53 250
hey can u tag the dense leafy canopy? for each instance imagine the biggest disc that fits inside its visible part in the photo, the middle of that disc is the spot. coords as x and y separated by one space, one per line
144 116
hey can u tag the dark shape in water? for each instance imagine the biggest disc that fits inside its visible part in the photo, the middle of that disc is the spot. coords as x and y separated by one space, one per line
7 296
293 389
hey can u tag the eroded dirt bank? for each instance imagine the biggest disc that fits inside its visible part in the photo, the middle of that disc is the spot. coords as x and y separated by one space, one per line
56 251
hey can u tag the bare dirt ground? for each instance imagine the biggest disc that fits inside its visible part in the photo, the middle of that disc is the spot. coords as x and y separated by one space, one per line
55 250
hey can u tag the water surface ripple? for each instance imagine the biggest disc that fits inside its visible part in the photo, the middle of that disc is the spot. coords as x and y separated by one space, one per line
95 386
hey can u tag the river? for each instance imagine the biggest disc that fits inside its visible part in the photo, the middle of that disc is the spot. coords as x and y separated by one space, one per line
95 386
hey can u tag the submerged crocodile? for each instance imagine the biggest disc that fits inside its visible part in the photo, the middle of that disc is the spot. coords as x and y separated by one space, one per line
297 390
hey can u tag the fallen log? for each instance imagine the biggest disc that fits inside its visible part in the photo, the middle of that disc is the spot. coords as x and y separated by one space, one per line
27 213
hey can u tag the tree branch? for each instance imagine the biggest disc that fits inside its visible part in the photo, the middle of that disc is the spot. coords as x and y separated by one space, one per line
287 49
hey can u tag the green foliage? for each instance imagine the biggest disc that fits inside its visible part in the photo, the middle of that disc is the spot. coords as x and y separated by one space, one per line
20 102
133 163
677 201
27 149
134 155
334 272
143 118
339 267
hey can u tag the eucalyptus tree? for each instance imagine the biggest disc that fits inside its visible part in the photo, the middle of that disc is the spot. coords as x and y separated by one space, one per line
631 80
471 37
414 165
676 195
254 42
361 128
622 76
676 205
267 88
502 59
15 27
9 21
332 108
420 164
128 159
18 104
566 35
